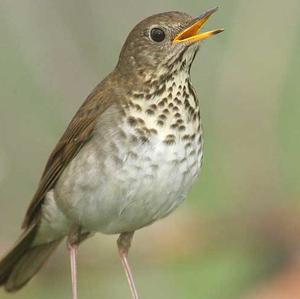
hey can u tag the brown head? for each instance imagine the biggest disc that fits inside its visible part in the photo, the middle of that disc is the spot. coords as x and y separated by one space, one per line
163 43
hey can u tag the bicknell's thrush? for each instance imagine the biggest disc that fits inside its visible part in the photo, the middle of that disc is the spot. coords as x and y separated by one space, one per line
128 157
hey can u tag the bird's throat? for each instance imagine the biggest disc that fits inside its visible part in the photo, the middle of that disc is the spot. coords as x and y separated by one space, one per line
168 109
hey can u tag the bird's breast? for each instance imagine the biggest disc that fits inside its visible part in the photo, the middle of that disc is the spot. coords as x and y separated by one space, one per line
138 170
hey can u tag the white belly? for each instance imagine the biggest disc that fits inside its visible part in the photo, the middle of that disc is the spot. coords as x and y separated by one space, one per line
130 189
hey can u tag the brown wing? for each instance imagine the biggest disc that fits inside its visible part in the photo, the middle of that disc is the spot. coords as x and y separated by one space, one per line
79 131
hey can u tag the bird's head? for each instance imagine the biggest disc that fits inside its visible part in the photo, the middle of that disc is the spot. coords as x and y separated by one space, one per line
164 43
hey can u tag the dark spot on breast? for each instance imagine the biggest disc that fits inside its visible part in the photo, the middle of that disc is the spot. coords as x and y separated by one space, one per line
140 121
182 160
191 110
181 128
188 145
146 131
131 121
138 107
177 101
153 131
162 117
160 123
133 139
163 102
153 107
138 95
186 104
160 91
177 115
169 141
166 111
144 139
154 82
154 166
171 105
186 137
192 153
139 131
150 112
149 80
185 95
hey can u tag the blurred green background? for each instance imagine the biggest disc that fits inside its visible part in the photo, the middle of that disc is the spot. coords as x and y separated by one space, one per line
238 234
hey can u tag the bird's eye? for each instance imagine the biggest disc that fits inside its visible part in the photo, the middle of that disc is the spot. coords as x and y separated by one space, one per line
157 35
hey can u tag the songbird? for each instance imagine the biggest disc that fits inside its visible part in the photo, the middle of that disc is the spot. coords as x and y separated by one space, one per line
129 155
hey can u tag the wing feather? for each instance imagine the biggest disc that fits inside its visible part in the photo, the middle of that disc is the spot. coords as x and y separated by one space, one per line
77 134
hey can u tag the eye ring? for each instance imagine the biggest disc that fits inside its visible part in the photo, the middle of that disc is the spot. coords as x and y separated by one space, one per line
157 34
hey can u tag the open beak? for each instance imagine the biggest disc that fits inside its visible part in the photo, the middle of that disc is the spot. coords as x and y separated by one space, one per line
192 34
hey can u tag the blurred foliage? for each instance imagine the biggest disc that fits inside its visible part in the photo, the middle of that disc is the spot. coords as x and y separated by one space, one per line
240 226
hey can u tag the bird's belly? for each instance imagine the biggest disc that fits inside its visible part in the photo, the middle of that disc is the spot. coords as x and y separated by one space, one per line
128 191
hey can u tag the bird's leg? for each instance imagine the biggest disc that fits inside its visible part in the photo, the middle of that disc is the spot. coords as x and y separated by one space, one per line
72 243
72 252
124 242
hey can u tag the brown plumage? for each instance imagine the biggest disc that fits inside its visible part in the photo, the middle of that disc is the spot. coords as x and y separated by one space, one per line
23 261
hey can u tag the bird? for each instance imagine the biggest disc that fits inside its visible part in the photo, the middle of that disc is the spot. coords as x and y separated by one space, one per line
128 157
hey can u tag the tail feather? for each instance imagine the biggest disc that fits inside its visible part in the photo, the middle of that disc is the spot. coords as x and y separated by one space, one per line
14 255
24 260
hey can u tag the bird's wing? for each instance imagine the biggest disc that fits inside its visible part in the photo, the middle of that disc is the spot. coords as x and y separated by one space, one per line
79 131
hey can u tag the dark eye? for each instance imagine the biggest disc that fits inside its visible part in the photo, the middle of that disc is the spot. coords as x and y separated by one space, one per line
157 35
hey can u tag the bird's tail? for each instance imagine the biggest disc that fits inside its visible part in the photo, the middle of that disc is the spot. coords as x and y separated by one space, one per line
24 260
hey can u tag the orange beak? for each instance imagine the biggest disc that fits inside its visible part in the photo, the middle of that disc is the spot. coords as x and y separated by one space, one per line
192 34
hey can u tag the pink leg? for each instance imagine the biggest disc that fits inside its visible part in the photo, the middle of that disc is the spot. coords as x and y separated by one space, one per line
124 242
73 251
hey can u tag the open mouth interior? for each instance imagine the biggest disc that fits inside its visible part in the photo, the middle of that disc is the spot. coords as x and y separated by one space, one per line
193 34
